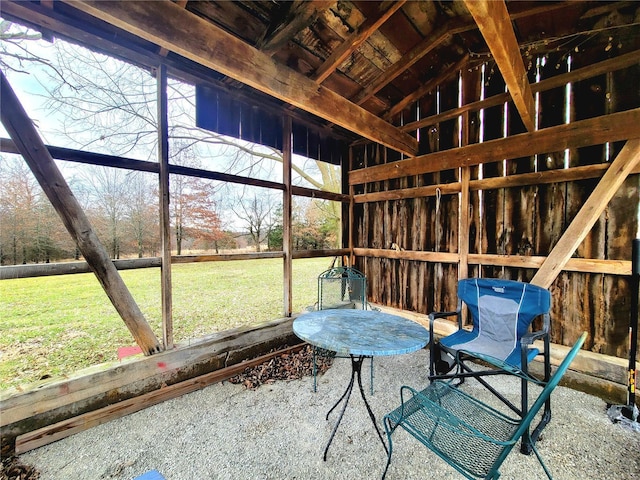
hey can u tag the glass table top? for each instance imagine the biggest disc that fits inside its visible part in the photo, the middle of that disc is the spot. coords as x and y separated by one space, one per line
360 332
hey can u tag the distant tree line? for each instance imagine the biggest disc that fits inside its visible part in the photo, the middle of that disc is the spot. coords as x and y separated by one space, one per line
123 209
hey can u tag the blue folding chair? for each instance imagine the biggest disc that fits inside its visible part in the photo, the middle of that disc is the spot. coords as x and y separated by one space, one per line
501 312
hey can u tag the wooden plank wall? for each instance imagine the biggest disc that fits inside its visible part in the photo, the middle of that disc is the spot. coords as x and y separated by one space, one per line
517 221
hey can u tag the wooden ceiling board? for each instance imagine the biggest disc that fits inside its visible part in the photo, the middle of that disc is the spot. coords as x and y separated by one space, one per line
348 14
232 17
422 15
398 32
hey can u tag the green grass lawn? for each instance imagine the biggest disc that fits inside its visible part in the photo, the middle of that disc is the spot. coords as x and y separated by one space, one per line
54 326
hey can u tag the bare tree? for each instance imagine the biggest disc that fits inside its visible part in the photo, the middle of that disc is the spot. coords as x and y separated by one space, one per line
109 189
142 215
255 212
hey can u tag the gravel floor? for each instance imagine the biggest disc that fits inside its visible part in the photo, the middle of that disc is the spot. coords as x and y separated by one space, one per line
279 432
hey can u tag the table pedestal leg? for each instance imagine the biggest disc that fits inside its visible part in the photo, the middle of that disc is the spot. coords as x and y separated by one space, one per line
356 373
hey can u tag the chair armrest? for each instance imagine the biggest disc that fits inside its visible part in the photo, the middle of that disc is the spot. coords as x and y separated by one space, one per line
531 337
434 315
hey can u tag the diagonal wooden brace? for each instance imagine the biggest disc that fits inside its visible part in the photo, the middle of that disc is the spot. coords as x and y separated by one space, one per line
28 141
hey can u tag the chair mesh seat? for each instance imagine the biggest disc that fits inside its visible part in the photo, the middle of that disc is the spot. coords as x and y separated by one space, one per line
422 417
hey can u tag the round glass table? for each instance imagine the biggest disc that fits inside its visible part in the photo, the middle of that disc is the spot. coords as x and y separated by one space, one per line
359 334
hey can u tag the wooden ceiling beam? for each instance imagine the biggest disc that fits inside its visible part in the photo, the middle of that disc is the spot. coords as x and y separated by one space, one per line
616 174
212 47
594 131
353 42
42 18
163 51
492 18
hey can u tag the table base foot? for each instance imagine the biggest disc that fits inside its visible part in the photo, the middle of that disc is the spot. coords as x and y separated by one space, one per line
356 374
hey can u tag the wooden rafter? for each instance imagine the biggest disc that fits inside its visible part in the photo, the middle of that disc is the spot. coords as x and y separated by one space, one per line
212 47
353 42
427 87
616 174
298 15
23 133
439 36
493 20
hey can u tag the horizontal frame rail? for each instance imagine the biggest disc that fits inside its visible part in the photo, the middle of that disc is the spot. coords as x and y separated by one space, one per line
91 158
9 272
584 265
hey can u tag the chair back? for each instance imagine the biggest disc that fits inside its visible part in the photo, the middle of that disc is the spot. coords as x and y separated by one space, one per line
502 311
546 393
342 287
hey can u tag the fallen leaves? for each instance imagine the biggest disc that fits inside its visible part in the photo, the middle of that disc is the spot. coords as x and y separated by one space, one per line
13 469
288 366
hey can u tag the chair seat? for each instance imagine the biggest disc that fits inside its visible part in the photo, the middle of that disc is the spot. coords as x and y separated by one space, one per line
472 343
456 427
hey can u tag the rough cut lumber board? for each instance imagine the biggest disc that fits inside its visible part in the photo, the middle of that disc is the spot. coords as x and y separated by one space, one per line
163 367
606 128
575 233
66 428
26 138
587 265
165 209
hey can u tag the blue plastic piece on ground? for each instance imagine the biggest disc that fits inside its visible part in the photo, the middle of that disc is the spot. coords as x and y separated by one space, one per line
151 475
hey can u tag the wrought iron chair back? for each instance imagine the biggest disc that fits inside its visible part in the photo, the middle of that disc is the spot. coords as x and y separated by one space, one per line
340 287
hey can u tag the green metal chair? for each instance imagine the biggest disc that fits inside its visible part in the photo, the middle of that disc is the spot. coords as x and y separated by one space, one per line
340 287
471 436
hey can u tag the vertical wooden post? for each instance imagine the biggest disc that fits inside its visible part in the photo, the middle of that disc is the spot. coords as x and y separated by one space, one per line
165 220
463 224
350 219
30 145
287 239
